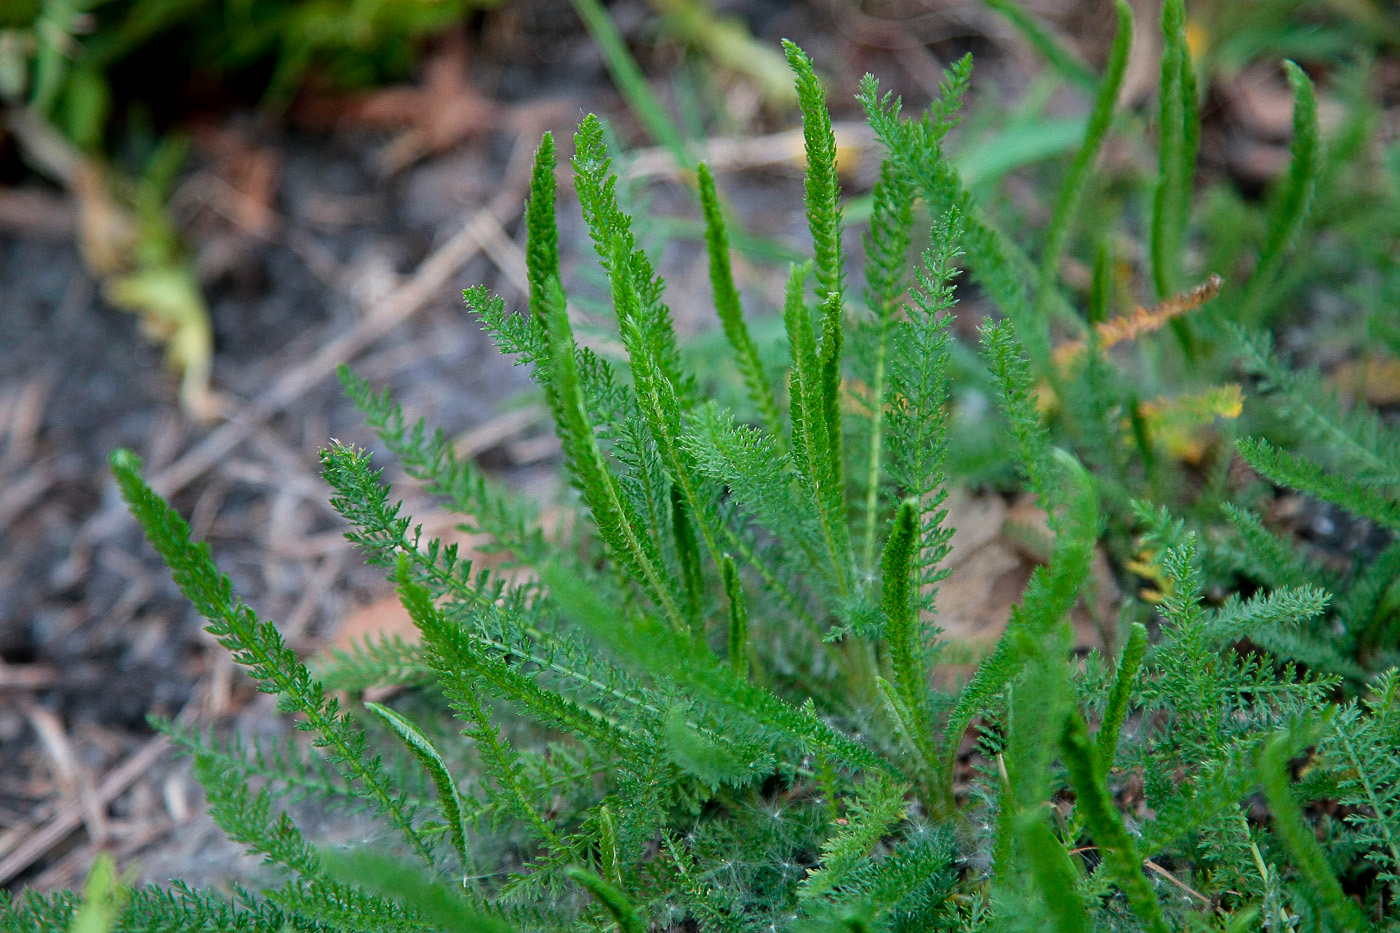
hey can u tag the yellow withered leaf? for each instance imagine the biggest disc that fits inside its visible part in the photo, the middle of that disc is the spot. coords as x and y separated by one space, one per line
1178 424
107 233
1197 39
1224 401
1147 567
173 311
115 247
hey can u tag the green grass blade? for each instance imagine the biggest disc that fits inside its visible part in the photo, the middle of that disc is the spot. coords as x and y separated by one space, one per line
738 618
610 897
427 754
688 555
731 314
1055 877
1299 839
1072 189
1290 210
500 760
1106 742
439 904
1069 65
631 82
1106 824
105 897
1179 135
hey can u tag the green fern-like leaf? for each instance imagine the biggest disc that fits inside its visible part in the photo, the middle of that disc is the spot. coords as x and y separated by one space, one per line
1288 469
1300 841
1361 746
258 646
877 807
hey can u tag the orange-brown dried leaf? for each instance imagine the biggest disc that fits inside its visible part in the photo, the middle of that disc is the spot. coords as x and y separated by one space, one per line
441 112
1142 320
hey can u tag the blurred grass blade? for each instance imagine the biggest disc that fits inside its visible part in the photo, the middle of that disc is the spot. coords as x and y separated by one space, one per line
1017 145
1290 210
632 84
442 907
1072 189
1300 840
727 42
1179 131
1065 61
104 898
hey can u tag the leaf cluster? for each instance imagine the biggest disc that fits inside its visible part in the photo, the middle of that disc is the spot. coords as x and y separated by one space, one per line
721 699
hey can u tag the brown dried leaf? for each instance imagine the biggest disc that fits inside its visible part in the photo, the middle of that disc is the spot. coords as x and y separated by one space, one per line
443 111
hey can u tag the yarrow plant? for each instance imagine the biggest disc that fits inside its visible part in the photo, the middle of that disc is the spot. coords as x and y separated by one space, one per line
708 703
